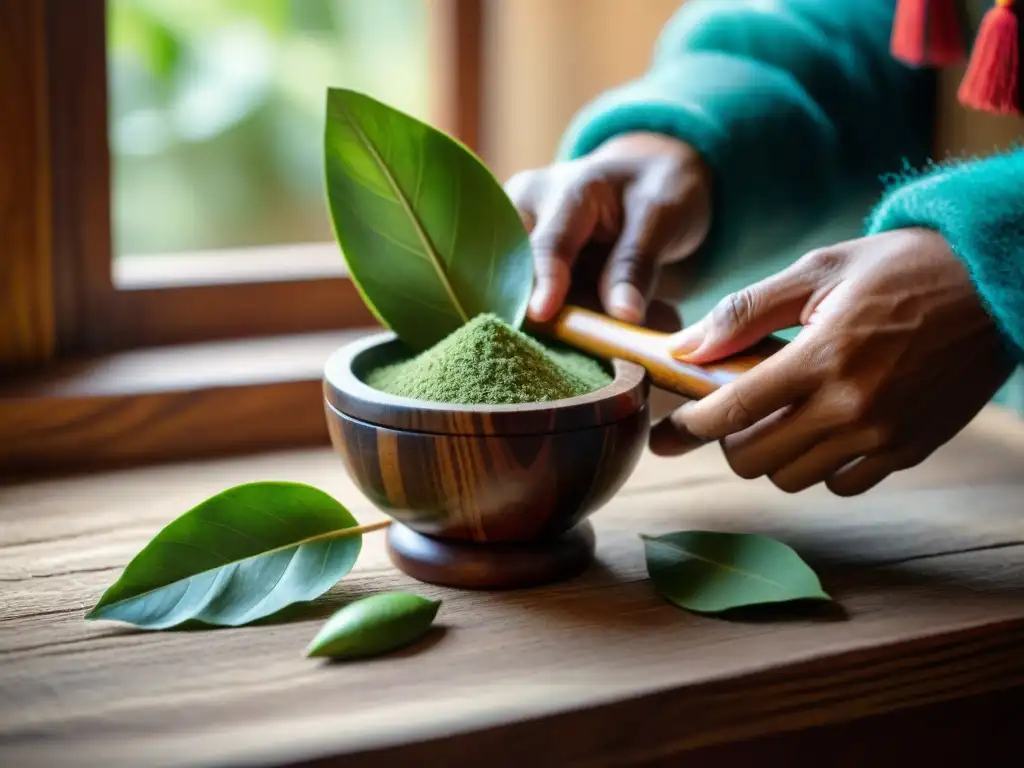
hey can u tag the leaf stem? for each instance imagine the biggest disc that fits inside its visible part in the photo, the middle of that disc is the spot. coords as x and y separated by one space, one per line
341 533
361 529
338 533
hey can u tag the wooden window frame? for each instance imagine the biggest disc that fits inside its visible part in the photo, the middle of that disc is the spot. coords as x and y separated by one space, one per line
63 315
96 316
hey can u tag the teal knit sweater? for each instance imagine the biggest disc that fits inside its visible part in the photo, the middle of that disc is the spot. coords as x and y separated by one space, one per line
797 105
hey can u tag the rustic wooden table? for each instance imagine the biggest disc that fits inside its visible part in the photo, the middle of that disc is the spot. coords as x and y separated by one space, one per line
928 570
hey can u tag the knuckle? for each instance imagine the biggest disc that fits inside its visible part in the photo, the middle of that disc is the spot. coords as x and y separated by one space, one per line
878 436
851 403
588 187
655 195
520 186
653 209
670 170
738 415
550 242
734 311
588 178
823 259
631 265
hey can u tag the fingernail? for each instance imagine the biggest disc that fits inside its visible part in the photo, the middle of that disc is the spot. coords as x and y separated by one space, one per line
668 440
687 341
537 305
627 303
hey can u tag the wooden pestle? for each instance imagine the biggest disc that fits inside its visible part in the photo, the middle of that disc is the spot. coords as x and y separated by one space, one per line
605 337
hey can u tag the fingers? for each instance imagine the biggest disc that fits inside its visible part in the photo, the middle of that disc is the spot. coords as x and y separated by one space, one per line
783 380
627 283
520 190
658 228
867 472
959 408
824 460
670 437
743 318
775 441
560 220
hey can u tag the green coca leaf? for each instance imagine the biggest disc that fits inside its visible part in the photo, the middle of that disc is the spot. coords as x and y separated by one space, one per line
711 572
240 556
429 236
374 625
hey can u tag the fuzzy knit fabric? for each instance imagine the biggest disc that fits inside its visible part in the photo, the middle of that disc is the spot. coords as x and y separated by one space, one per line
794 104
797 105
978 206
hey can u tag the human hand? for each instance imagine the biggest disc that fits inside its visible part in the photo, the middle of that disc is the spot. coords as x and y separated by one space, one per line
645 194
896 356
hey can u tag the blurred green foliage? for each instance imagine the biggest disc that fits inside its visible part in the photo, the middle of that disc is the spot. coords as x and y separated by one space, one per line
216 111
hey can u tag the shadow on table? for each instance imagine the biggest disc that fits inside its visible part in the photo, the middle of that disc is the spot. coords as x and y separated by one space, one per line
606 599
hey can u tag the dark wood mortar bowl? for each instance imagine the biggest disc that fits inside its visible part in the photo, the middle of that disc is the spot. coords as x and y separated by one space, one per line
485 497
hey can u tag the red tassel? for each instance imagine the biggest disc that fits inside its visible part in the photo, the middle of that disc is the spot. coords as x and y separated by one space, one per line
992 80
927 33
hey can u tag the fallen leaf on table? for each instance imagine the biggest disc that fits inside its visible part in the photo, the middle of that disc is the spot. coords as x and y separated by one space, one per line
711 572
240 556
375 625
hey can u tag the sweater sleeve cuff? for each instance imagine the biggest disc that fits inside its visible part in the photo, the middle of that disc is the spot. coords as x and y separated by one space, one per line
976 206
704 99
641 106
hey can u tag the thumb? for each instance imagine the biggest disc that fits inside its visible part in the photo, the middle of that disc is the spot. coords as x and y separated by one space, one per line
745 317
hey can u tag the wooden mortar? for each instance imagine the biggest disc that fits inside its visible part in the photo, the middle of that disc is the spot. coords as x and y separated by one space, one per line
496 497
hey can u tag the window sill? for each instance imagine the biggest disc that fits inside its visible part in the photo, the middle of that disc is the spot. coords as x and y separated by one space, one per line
266 264
167 404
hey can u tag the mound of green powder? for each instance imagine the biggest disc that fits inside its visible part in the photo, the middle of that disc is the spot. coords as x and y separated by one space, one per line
487 361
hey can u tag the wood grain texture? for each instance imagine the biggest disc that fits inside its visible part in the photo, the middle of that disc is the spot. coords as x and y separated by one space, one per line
27 335
82 247
928 570
489 488
345 391
602 336
167 404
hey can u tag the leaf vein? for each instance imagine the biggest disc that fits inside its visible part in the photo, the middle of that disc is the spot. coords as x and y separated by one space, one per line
243 534
269 592
427 244
381 234
723 566
198 548
457 196
325 536
442 308
327 553
364 184
492 260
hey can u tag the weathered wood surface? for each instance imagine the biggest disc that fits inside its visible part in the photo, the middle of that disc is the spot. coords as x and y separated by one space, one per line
928 568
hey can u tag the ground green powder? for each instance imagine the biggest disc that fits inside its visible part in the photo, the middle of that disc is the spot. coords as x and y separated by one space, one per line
487 361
